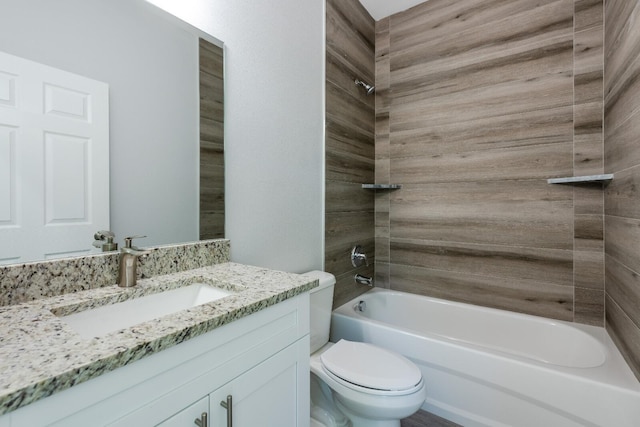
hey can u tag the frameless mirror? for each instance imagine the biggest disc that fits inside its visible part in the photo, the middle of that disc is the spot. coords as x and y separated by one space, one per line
165 109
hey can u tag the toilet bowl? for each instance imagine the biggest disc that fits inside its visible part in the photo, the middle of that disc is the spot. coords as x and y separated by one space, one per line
356 384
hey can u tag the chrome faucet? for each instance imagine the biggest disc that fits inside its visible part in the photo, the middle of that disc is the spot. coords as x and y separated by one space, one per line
358 257
127 276
363 280
104 240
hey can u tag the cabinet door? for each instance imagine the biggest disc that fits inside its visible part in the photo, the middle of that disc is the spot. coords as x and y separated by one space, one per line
188 415
266 395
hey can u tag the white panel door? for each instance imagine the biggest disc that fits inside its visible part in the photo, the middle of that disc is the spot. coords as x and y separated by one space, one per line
54 161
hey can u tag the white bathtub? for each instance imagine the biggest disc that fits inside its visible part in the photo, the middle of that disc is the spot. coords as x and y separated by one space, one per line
487 367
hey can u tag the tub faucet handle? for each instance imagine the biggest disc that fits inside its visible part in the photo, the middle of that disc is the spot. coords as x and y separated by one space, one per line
363 280
358 257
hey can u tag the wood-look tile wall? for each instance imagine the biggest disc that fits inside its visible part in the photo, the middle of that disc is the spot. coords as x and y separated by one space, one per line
349 210
588 256
478 103
211 141
622 158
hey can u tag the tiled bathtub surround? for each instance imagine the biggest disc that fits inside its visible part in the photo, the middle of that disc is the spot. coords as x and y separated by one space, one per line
622 157
479 103
588 159
476 104
349 210
25 282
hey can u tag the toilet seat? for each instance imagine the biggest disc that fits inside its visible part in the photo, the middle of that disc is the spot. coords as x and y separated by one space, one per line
370 369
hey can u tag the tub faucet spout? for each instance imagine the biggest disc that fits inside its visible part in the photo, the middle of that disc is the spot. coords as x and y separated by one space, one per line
363 280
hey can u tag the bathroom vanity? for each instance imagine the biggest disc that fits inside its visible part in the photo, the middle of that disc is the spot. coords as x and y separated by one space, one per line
249 349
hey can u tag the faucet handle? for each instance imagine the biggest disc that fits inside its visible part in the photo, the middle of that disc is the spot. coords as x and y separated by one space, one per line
104 240
129 240
103 234
358 256
133 250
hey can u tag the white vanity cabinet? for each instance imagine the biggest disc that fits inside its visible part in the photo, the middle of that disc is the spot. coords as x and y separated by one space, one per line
261 361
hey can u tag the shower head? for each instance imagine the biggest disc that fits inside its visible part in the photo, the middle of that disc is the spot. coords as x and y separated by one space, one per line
370 89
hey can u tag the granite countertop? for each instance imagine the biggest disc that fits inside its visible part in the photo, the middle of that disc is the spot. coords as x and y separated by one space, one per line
41 355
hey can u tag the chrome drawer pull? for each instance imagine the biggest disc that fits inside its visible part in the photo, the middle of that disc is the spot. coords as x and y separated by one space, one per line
202 421
228 405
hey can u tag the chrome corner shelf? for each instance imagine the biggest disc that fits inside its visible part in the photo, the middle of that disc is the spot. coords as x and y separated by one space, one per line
586 179
381 186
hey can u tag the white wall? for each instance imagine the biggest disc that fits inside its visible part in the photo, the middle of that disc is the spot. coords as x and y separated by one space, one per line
151 67
274 125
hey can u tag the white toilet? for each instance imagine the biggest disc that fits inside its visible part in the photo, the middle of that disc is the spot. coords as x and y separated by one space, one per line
353 383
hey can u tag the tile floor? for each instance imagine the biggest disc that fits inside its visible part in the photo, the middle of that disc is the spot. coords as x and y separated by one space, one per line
426 419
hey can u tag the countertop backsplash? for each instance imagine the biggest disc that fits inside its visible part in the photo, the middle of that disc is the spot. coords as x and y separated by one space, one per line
31 281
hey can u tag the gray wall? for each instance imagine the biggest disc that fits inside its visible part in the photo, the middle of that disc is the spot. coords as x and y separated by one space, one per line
151 67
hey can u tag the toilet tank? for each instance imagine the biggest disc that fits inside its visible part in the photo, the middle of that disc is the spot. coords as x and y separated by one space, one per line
321 299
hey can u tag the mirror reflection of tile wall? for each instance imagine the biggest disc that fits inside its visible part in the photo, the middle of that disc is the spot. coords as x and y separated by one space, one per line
211 141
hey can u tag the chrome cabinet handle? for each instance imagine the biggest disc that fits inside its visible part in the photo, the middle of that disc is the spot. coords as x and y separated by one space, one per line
228 405
202 421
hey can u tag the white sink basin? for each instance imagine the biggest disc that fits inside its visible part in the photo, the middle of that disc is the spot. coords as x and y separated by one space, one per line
100 321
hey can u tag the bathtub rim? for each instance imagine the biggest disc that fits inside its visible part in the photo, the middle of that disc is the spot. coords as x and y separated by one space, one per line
614 372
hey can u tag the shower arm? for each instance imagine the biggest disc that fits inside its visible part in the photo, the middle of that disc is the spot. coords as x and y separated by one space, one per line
369 88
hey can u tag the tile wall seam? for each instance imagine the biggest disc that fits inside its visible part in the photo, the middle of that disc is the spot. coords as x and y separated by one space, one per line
479 150
561 38
620 262
500 245
573 162
604 231
626 315
541 179
488 276
616 260
478 245
634 115
622 217
625 25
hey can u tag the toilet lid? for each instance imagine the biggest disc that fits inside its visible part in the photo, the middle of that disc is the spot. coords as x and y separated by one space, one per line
369 366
